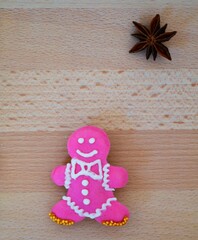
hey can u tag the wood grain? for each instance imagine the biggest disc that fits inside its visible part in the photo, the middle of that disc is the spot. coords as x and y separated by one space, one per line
92 38
159 214
65 100
95 4
154 159
162 192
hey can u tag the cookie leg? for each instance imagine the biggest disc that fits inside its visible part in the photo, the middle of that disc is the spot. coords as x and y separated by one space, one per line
62 214
115 215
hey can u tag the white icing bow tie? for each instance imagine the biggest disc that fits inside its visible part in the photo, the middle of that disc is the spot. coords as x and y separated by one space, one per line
92 169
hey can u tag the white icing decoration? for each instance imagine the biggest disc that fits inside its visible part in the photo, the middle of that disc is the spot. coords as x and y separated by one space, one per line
85 192
92 140
81 140
86 201
67 176
86 169
87 155
106 178
85 182
82 213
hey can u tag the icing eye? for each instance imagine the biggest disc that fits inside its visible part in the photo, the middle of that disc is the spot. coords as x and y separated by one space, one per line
92 140
81 140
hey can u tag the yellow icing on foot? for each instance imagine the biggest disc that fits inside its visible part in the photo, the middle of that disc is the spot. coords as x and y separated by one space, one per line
112 223
60 221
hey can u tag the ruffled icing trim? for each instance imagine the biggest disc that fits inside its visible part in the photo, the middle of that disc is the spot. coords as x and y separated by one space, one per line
106 178
67 176
81 212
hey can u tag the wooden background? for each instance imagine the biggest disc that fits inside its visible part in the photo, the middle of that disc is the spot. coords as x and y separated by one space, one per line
64 64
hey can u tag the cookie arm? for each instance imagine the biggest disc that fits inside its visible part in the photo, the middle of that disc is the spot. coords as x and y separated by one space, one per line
118 177
58 175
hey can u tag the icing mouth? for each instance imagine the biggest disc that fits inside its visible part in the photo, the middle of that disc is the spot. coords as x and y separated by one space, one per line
87 155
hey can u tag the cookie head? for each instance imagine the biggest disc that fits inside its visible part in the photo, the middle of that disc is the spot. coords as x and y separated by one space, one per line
89 143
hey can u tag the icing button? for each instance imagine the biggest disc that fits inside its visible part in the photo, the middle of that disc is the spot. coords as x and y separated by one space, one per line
85 192
86 201
85 183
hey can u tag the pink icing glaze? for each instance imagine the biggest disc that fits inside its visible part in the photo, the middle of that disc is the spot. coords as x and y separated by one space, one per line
90 192
58 175
118 177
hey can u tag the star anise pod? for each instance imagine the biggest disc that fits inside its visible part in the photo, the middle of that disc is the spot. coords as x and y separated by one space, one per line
152 39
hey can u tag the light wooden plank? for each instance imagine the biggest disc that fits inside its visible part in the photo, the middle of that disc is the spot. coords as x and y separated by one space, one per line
94 4
155 159
156 215
161 194
92 38
65 100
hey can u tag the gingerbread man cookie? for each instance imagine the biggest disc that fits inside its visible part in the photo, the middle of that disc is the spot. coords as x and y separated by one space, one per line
90 181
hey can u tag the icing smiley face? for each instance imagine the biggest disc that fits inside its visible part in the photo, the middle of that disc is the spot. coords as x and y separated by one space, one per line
88 143
89 154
